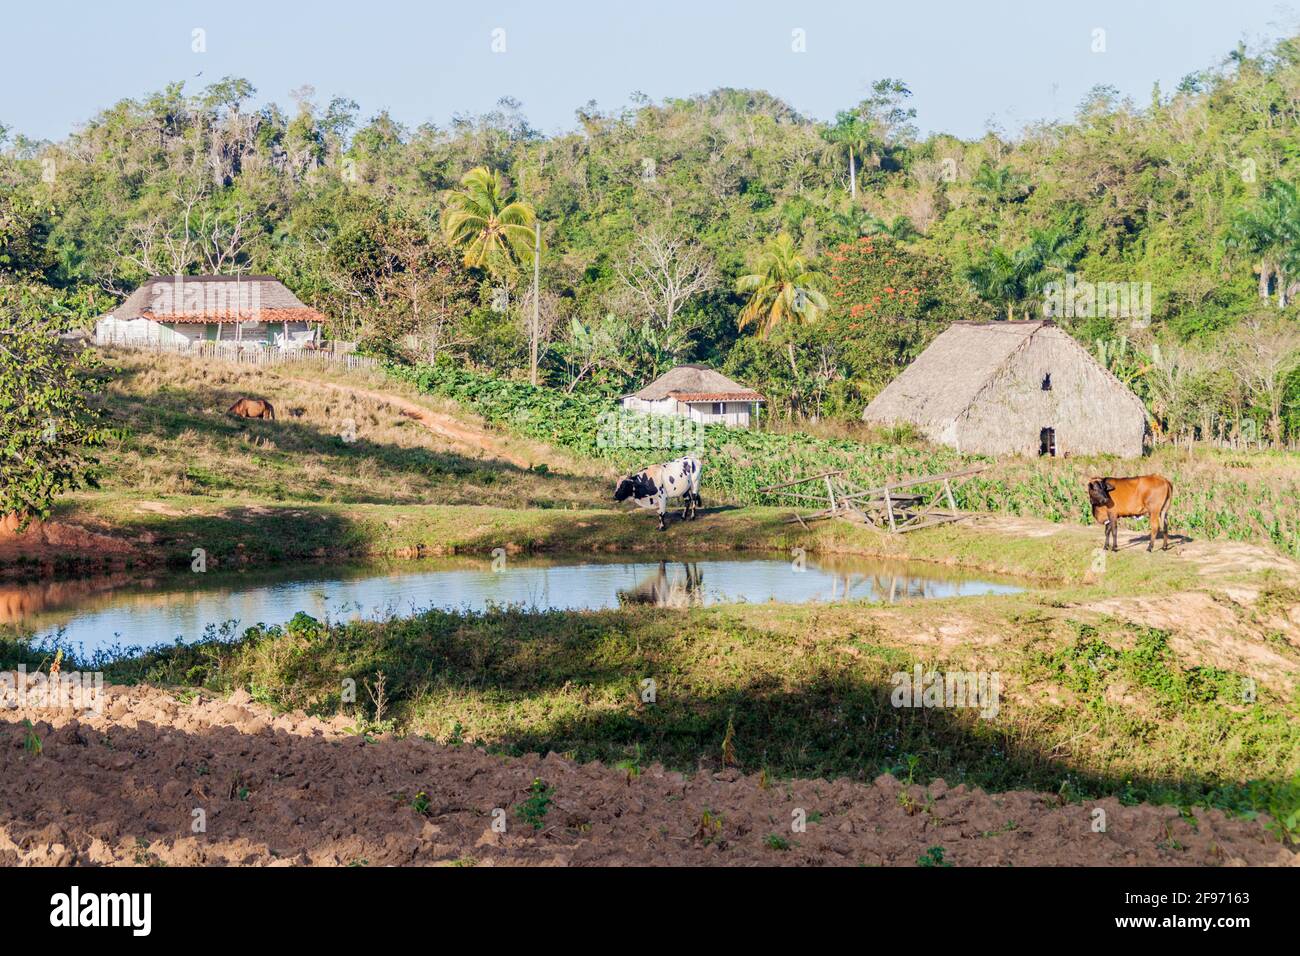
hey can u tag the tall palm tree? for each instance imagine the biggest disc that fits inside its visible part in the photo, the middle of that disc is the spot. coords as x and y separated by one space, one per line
488 223
1271 230
853 132
1004 277
783 289
497 233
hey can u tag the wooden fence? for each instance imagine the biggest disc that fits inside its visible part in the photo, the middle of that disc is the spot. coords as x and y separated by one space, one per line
898 505
246 353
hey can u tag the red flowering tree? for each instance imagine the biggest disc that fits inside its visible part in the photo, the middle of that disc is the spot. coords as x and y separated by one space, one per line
875 278
886 302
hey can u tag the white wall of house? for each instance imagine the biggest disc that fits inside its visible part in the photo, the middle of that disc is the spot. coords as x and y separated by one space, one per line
734 414
110 329
665 406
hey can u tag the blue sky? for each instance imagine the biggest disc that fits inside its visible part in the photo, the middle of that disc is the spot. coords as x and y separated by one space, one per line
1009 62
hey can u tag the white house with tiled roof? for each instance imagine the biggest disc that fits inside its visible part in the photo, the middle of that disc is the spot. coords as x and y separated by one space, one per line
699 393
176 310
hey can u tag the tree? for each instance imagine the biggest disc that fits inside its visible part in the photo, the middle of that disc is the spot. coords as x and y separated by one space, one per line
23 233
854 133
1271 230
408 280
885 111
1051 250
879 121
496 232
593 346
1002 277
1265 356
483 219
46 427
999 183
783 289
661 274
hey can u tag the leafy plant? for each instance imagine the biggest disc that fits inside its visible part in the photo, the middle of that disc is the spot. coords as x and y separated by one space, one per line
533 809
932 857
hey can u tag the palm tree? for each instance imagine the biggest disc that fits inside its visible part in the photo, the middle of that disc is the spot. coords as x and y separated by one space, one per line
1054 249
856 222
497 233
783 289
1271 230
1004 277
852 131
999 183
484 219
900 229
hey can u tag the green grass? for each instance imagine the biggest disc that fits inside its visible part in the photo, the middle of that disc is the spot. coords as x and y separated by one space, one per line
171 436
252 532
1092 706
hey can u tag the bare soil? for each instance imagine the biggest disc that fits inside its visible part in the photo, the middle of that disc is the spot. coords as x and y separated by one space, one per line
45 542
122 789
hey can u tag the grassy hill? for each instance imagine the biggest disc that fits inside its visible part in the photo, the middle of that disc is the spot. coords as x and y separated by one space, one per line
333 441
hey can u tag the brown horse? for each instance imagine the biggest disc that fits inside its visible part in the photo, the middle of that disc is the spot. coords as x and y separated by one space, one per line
1115 498
253 408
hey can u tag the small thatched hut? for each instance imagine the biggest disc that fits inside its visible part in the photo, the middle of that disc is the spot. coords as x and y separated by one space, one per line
697 392
1013 388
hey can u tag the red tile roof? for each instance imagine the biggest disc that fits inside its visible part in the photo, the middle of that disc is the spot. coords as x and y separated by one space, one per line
260 315
740 396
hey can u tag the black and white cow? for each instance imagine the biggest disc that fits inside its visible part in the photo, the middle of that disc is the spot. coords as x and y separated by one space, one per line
653 486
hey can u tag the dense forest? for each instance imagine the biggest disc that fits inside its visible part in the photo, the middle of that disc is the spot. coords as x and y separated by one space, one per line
810 260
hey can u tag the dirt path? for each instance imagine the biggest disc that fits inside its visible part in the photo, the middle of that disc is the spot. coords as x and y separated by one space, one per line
124 788
477 441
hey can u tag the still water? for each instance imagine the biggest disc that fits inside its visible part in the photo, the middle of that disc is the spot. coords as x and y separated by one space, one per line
129 611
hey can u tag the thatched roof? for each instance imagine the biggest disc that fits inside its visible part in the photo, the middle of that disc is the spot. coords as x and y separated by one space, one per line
696 383
214 298
946 378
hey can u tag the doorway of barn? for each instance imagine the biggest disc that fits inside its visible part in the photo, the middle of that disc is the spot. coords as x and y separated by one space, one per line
1047 442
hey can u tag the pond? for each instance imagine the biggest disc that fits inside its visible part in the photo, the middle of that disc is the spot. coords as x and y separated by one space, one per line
96 614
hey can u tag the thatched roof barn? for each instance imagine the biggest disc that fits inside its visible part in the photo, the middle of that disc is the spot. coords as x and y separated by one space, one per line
697 392
1013 388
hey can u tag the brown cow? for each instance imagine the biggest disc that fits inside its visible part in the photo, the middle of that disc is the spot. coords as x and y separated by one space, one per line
1115 498
253 408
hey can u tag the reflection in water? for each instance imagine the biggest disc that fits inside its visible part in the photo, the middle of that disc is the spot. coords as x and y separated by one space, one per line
119 610
680 587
